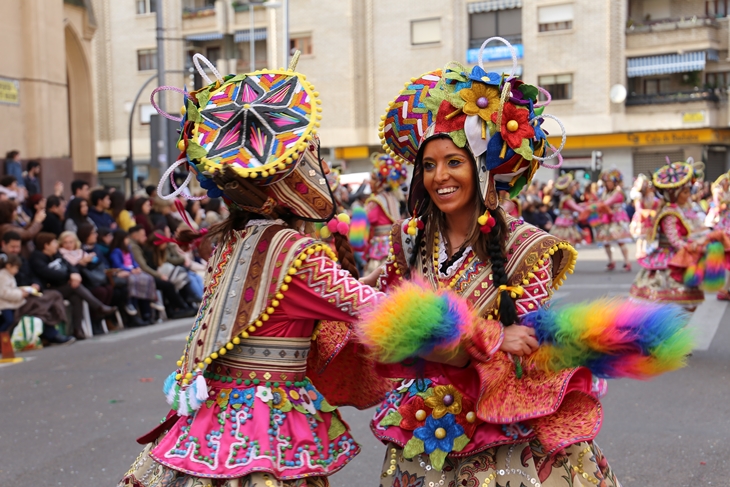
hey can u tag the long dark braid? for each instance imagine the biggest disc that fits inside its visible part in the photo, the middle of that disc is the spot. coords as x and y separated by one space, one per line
345 254
507 309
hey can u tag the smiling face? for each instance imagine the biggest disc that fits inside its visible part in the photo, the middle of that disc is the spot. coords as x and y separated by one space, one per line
448 176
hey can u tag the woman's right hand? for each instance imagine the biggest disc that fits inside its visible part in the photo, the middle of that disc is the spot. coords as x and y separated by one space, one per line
519 340
40 215
123 274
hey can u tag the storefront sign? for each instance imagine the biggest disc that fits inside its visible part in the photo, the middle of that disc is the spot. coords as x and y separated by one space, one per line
637 139
9 91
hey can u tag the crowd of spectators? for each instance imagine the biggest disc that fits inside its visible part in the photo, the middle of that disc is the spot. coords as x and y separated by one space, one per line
100 255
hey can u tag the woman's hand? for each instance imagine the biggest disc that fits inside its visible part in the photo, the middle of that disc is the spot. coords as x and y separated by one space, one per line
40 215
457 358
123 274
372 278
519 340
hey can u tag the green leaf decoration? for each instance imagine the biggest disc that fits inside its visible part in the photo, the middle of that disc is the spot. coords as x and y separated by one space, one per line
455 99
209 404
426 394
433 101
525 150
195 151
318 417
337 428
519 184
529 91
203 98
236 406
413 447
300 408
460 442
326 407
237 78
192 113
455 76
539 110
438 457
286 407
392 419
492 128
459 138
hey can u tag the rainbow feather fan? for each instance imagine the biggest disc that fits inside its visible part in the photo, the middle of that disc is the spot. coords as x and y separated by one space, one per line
415 320
613 338
714 267
359 228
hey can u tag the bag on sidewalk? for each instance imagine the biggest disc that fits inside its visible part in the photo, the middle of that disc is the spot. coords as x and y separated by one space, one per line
27 334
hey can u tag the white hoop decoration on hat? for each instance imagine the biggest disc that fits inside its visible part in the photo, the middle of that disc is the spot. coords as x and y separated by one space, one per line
168 174
511 48
157 108
557 151
196 61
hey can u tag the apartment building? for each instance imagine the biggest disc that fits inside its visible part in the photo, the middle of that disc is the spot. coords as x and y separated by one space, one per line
635 80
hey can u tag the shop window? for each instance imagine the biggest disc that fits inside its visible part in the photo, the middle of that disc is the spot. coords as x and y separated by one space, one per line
560 86
146 59
301 43
426 31
555 17
503 23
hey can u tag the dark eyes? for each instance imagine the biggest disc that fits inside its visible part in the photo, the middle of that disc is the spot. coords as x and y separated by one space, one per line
429 166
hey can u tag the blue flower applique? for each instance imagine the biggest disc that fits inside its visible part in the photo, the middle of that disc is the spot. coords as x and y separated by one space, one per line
439 433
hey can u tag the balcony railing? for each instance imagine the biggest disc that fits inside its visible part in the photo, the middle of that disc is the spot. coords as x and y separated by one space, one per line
676 97
641 26
199 11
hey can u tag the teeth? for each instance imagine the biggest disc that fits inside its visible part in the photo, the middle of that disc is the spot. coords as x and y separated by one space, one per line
446 190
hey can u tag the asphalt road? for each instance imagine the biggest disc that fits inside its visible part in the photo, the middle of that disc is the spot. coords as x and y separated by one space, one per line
69 416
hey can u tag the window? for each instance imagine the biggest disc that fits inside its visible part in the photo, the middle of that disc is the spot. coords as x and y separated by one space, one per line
427 31
717 80
717 8
656 86
213 54
146 6
301 43
502 23
555 17
560 86
146 59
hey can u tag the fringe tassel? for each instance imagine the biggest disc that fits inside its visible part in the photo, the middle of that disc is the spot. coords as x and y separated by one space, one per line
201 388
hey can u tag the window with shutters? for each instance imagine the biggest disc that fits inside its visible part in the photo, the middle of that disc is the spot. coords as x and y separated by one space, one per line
503 23
555 17
560 86
146 59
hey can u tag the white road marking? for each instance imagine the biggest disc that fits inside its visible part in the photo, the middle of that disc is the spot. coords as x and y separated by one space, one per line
179 337
706 320
596 286
25 359
183 323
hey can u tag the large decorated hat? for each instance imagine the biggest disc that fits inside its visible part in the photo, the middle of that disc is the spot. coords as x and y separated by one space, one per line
669 180
387 172
613 175
723 179
251 138
563 182
495 116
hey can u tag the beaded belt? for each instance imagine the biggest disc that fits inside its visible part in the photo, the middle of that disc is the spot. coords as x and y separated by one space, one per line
382 230
258 359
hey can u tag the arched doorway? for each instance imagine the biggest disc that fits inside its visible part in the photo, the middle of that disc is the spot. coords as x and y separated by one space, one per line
82 128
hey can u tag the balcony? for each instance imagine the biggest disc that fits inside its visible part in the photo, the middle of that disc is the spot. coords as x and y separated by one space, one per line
678 35
675 97
199 15
242 17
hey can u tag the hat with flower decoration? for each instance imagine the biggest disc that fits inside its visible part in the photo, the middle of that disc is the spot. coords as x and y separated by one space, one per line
564 181
387 172
671 179
497 117
251 138
613 175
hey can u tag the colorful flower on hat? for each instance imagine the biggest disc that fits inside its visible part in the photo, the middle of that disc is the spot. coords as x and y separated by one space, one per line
478 74
515 125
414 414
223 397
240 397
445 399
481 100
439 433
264 393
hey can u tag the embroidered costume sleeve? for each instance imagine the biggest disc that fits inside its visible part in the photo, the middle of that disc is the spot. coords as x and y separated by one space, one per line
537 291
671 227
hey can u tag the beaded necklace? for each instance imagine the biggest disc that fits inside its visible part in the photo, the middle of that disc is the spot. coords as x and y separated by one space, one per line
463 268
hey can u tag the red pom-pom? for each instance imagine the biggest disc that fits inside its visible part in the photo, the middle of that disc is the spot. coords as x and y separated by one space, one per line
485 229
332 225
343 228
420 225
491 222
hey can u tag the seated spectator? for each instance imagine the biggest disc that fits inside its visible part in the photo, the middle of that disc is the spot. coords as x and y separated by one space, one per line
79 189
215 212
56 273
175 305
34 203
76 214
142 209
47 306
32 183
122 217
141 286
7 223
100 203
195 212
55 214
102 246
166 256
9 186
161 212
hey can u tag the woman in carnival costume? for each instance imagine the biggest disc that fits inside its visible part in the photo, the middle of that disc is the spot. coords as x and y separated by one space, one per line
478 410
566 225
613 227
244 411
383 206
718 216
677 230
646 205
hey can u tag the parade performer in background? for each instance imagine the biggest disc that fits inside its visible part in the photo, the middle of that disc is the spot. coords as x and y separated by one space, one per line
566 225
244 410
383 206
669 272
474 408
613 226
646 205
718 217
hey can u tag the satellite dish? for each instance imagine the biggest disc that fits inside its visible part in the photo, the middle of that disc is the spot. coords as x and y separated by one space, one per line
617 93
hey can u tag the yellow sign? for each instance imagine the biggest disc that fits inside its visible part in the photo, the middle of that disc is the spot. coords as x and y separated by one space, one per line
693 117
637 139
357 152
9 91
